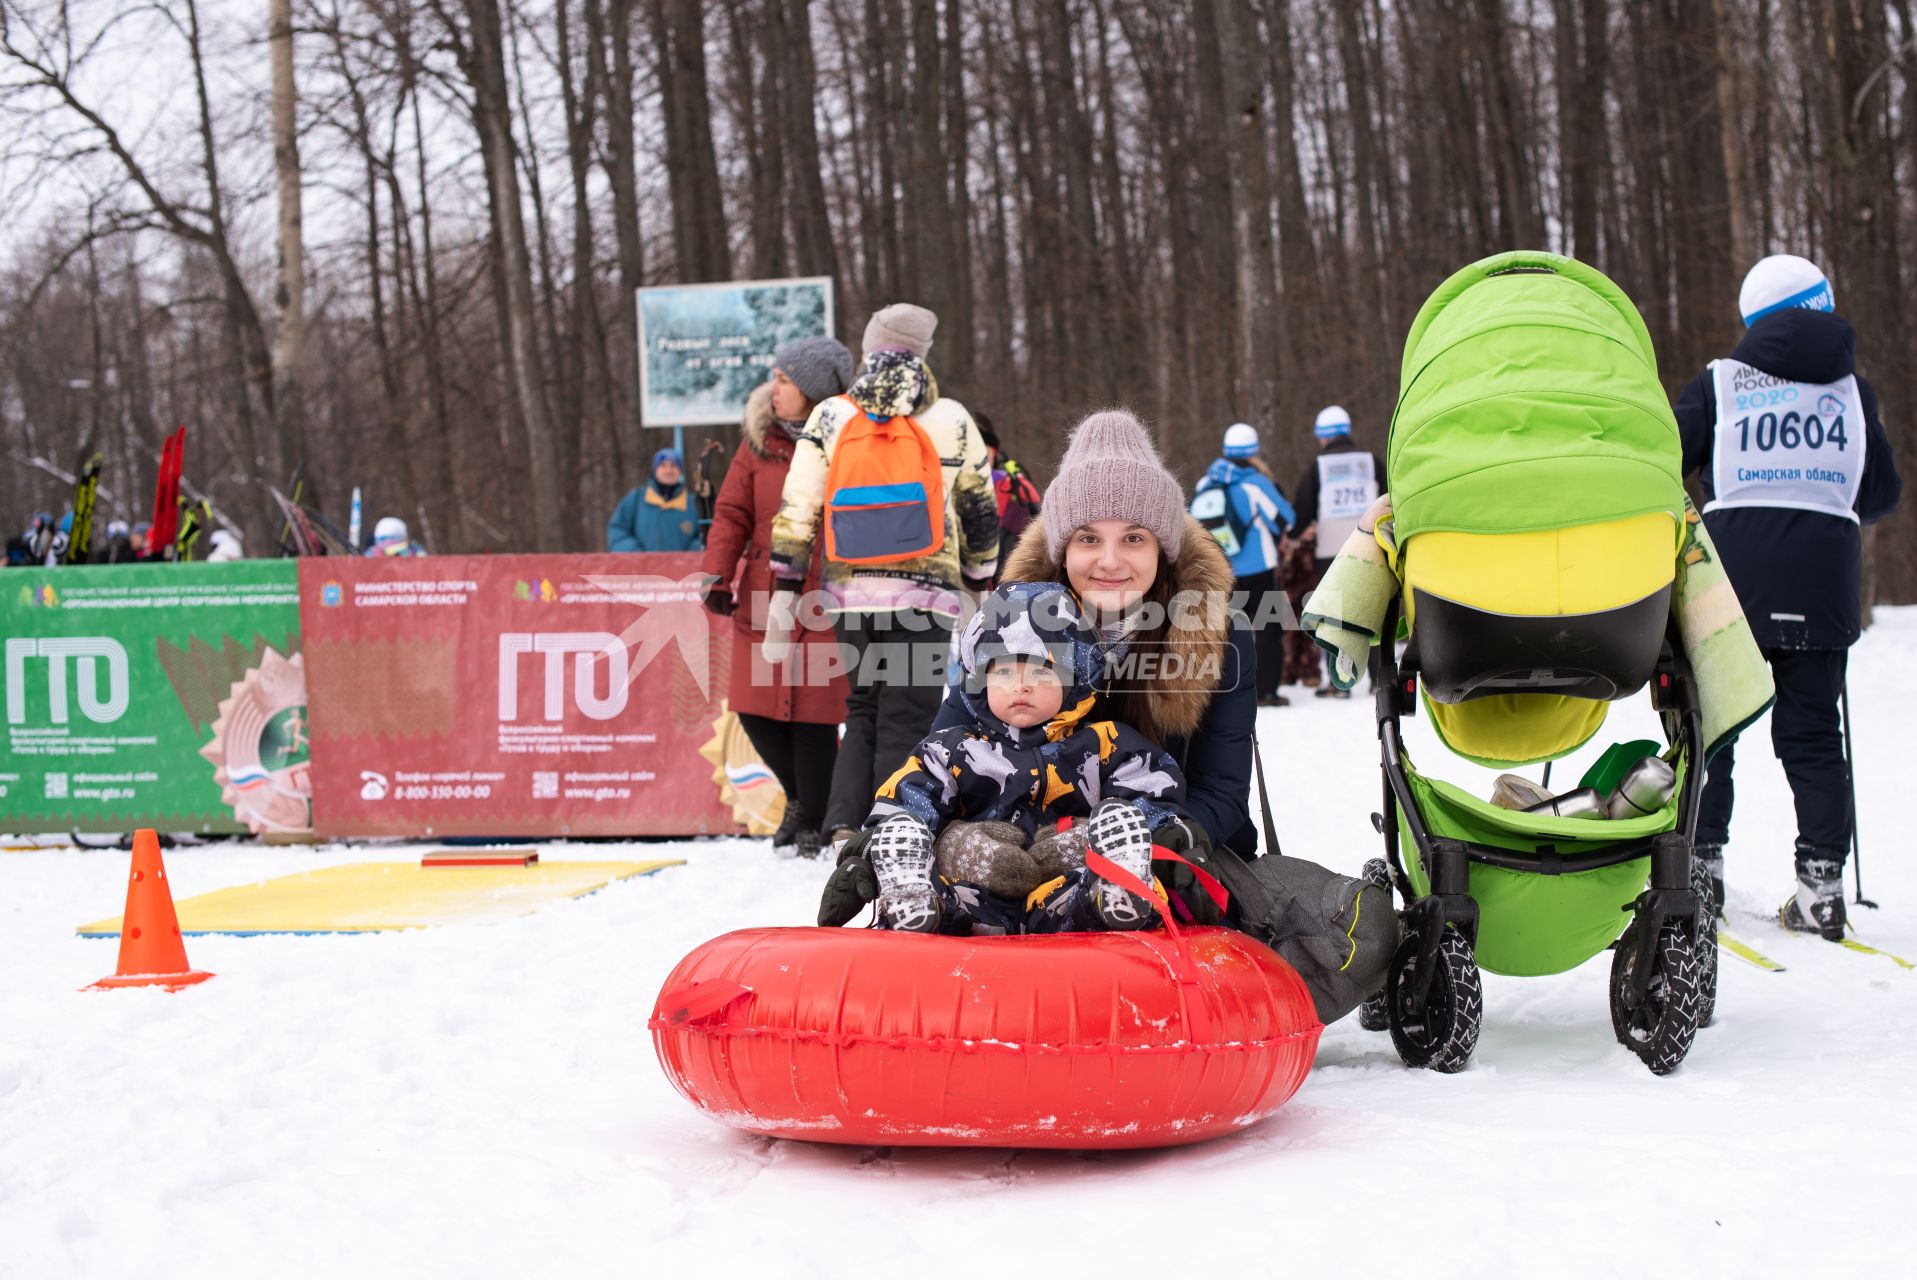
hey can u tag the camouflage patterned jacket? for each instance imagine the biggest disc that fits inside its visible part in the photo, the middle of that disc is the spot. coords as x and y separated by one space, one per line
888 384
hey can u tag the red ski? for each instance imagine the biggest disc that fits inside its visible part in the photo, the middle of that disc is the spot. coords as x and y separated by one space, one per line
166 497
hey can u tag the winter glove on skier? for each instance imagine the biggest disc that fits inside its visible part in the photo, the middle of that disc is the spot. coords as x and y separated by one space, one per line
851 885
781 621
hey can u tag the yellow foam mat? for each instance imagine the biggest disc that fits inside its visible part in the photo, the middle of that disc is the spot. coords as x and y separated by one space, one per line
367 897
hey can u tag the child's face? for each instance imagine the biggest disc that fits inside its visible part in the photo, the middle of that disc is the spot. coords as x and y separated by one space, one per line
1023 694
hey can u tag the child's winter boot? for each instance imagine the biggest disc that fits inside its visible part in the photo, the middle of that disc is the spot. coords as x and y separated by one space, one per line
1118 831
900 850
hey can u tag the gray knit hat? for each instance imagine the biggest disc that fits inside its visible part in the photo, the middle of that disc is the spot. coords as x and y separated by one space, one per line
1111 471
901 325
820 367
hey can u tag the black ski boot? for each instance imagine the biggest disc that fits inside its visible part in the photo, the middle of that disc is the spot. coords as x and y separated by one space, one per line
789 828
1710 860
1818 905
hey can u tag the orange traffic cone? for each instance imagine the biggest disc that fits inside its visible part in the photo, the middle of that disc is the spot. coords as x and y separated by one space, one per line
152 953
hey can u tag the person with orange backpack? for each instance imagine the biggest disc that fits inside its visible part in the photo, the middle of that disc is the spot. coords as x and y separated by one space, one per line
897 481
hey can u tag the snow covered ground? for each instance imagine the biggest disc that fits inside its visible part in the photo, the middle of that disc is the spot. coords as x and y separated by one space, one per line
484 1100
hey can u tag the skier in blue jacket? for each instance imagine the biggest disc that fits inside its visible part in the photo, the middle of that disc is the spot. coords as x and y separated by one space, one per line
658 516
1239 505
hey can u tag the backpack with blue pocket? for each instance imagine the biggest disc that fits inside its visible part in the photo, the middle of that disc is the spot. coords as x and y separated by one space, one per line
884 492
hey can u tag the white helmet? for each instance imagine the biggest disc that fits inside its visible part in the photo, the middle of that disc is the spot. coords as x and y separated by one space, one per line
1332 422
1782 281
389 529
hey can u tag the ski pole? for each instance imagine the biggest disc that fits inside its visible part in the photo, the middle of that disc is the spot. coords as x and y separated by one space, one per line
1850 776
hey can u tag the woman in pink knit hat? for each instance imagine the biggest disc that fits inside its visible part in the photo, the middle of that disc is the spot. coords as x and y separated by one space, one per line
1181 669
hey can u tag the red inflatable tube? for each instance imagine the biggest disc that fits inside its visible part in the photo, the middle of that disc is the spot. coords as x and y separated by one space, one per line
1071 1040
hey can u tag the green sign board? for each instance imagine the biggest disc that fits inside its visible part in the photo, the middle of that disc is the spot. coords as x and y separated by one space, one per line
163 695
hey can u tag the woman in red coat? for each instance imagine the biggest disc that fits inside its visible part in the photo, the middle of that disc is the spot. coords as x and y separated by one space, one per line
790 712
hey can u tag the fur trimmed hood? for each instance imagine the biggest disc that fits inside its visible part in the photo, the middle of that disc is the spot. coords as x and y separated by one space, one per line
1178 701
759 421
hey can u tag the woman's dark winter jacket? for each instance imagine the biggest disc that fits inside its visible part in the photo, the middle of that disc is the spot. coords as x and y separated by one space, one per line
1206 702
989 771
1798 573
738 554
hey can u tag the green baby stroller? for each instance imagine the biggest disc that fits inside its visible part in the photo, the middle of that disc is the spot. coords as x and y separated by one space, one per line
1538 522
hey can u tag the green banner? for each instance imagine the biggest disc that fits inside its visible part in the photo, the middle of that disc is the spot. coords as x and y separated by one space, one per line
162 695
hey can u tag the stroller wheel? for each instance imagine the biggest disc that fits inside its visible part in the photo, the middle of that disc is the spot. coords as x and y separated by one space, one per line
1443 1033
1375 1014
1660 1027
1705 943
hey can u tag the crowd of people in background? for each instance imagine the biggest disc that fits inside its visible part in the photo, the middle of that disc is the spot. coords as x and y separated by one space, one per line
43 544
860 481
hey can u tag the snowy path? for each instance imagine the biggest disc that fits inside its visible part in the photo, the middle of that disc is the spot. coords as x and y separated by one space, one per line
484 1100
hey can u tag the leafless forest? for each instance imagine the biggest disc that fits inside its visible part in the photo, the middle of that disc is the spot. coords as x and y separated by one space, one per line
396 241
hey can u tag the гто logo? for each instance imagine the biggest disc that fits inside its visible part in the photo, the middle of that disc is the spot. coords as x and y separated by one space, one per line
89 654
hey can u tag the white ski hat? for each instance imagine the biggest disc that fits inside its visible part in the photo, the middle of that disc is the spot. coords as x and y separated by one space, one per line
389 528
1781 281
1241 440
1332 422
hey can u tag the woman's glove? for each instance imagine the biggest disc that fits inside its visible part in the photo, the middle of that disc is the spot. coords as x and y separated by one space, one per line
717 599
851 886
781 621
1185 836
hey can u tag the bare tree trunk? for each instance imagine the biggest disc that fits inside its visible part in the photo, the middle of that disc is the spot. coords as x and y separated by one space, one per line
622 173
698 208
289 339
813 242
396 446
958 337
426 300
482 61
589 331
1257 356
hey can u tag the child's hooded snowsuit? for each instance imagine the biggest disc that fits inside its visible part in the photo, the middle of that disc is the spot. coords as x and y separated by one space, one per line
989 771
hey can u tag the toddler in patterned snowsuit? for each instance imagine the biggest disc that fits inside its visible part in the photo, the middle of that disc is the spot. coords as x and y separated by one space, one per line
986 826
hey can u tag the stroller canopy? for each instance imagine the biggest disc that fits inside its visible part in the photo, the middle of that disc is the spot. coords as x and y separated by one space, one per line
1530 401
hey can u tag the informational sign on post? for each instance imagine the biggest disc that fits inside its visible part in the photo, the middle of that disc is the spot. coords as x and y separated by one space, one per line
164 695
704 347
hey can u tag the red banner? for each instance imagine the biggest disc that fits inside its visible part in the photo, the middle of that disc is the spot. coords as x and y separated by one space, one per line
513 696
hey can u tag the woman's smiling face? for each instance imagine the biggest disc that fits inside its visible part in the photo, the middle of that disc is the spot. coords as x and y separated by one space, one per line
1111 564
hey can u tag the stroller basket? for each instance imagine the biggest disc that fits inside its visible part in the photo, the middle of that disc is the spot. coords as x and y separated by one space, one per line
1551 892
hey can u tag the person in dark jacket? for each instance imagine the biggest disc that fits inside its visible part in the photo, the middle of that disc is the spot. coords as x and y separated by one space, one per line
1011 801
1018 498
1333 492
1786 442
790 712
659 515
1179 669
